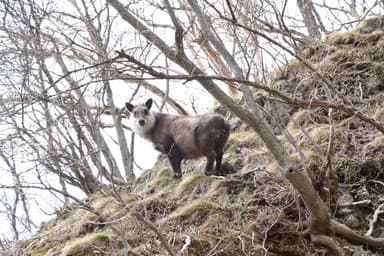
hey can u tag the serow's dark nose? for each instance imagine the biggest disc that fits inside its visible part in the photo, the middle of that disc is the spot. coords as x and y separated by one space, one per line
141 122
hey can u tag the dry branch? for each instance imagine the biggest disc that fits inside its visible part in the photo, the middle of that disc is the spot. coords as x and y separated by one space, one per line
348 233
150 225
379 210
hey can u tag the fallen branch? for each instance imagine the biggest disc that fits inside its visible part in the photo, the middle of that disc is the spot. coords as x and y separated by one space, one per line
345 231
372 223
187 242
357 203
127 248
150 225
329 243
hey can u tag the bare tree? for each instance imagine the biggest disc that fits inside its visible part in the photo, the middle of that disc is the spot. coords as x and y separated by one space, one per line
20 201
309 14
57 100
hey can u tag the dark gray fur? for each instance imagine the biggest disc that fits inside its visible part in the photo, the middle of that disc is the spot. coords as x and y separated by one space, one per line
182 137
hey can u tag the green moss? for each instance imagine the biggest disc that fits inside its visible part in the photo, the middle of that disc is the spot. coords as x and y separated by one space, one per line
166 171
299 117
281 138
127 198
175 237
149 200
236 207
372 23
379 115
339 55
349 37
273 169
309 155
216 188
376 143
70 226
234 159
108 205
320 134
258 250
253 158
202 204
243 138
295 63
216 219
244 192
379 141
83 242
101 202
380 68
189 180
161 181
203 241
289 67
163 178
39 252
146 174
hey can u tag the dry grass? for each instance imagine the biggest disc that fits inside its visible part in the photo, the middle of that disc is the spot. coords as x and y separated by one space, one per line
188 182
202 205
75 246
379 115
337 38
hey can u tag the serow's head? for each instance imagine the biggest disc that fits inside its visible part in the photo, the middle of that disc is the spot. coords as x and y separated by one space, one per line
142 119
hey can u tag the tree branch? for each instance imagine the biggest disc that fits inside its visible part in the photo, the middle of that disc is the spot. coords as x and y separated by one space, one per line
379 210
150 225
349 109
348 233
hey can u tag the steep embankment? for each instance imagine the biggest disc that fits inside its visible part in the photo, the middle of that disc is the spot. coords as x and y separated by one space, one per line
252 211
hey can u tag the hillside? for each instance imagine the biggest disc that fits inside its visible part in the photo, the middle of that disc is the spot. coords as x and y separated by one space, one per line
253 211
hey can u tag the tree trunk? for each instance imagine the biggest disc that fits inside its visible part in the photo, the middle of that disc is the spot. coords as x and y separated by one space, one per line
307 11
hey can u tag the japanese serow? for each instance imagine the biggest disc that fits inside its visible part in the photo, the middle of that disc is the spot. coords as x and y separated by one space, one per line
182 137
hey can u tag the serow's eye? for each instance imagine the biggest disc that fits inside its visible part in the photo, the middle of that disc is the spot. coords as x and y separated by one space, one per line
145 112
135 114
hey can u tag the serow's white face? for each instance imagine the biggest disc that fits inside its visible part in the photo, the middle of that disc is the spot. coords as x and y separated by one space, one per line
142 120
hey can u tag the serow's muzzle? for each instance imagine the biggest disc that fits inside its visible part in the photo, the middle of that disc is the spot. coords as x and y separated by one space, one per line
141 122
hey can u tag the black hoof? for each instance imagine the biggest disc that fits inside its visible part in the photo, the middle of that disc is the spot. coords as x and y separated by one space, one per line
177 176
208 173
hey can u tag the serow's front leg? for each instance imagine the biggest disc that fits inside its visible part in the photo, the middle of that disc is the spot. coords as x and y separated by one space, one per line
175 158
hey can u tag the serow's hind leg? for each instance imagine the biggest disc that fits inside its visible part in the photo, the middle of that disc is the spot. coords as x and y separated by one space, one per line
219 158
210 159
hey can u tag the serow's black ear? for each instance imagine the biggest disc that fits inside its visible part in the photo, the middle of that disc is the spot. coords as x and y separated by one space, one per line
148 104
129 106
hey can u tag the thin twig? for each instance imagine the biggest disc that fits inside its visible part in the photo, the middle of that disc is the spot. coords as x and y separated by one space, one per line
375 218
128 250
357 203
187 242
150 225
